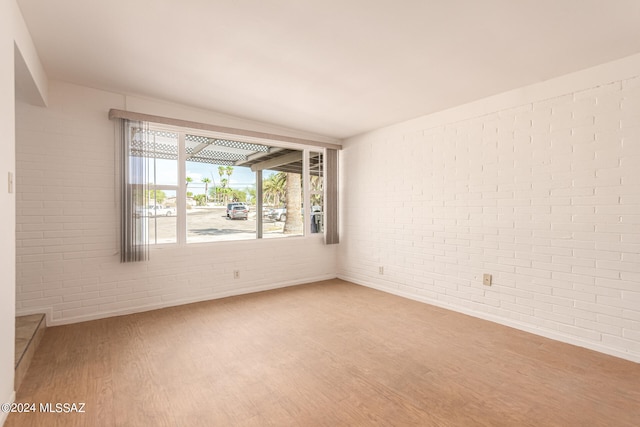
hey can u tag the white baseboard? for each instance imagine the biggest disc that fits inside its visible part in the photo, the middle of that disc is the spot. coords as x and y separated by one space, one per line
165 304
4 415
554 335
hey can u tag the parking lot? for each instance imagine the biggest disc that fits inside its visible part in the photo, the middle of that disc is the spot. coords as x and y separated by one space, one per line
208 224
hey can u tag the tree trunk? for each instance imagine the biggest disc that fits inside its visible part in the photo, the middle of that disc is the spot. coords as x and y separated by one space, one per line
293 189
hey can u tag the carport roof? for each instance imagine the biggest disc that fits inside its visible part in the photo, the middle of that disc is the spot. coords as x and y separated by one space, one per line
224 152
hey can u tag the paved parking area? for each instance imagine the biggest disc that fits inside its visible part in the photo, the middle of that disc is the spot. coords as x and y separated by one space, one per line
210 224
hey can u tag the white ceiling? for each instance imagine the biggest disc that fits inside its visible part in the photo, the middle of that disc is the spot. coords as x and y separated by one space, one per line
332 67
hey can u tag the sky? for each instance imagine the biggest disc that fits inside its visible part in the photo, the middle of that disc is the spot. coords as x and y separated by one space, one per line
240 179
167 174
166 171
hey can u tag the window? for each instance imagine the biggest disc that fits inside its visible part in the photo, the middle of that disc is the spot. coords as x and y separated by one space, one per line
282 193
316 191
203 187
159 206
220 198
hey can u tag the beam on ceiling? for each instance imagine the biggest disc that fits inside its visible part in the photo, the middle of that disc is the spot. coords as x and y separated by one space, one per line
255 156
198 149
296 156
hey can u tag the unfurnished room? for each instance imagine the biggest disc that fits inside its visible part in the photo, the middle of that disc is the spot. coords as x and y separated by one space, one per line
320 213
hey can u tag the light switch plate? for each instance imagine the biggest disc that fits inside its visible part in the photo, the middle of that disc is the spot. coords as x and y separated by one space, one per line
10 182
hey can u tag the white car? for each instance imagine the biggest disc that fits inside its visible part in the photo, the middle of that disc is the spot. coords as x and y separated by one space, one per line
159 210
230 207
239 212
278 214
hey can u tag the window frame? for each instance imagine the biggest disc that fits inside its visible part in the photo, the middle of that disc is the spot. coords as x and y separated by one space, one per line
181 190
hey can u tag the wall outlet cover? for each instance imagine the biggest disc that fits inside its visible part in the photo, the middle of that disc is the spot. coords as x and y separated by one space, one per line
486 279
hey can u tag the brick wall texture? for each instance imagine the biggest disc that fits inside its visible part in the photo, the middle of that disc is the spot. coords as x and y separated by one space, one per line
68 264
544 196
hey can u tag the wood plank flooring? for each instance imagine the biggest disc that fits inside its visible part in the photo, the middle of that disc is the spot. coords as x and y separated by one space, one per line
324 354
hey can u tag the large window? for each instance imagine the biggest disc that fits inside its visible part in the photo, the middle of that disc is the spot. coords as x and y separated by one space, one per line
203 187
159 205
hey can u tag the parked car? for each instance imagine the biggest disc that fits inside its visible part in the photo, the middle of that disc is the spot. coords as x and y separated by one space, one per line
239 212
279 214
231 205
156 210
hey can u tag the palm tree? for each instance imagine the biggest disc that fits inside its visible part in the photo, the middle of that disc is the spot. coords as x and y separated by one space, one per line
224 190
274 188
221 173
189 180
316 190
293 194
206 188
251 195
229 170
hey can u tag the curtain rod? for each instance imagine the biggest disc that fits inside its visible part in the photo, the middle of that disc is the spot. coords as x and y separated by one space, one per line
131 115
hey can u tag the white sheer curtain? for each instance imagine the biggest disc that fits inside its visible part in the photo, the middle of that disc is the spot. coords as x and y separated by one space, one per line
134 188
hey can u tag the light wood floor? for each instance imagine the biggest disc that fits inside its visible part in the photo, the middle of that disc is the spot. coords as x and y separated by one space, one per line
324 354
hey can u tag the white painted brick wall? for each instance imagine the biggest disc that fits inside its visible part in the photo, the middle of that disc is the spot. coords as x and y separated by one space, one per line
544 196
67 227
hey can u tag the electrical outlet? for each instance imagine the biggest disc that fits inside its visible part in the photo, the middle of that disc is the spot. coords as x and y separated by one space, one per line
236 274
381 270
486 279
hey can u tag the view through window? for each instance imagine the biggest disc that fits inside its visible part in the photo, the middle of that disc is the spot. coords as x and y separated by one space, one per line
219 198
